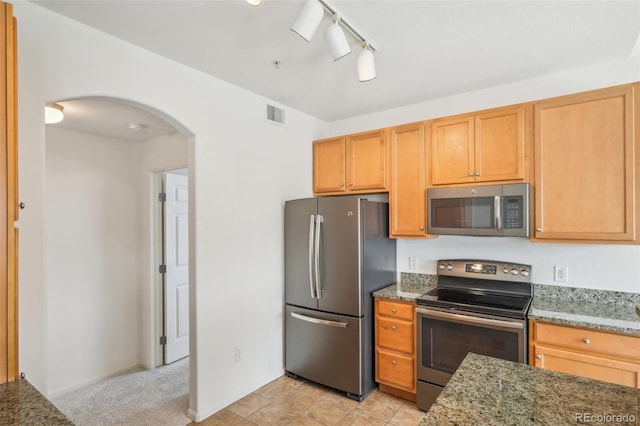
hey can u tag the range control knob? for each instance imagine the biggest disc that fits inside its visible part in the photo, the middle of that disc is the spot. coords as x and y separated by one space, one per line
449 267
524 272
505 270
441 266
514 271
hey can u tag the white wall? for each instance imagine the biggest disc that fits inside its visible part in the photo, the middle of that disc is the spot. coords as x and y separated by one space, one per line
611 267
100 253
241 169
93 252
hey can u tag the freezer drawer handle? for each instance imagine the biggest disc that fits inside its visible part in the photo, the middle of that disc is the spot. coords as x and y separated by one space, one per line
319 321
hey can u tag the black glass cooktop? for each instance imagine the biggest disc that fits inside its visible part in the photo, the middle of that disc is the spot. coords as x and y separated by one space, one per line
513 306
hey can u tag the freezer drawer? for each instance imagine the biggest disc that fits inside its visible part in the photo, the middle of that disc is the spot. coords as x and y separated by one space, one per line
325 348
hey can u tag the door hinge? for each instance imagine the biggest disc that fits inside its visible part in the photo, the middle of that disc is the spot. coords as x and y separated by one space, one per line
162 197
162 269
163 340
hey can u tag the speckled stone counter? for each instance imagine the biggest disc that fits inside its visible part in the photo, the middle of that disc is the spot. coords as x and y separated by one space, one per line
409 288
489 391
22 404
599 309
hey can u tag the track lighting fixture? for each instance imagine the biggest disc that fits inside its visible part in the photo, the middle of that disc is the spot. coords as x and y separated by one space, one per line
53 113
308 22
336 40
366 64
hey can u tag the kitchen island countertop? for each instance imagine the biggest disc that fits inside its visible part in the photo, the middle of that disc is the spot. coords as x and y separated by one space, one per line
22 404
490 391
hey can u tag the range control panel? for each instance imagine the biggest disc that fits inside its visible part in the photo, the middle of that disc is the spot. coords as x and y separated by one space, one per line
485 269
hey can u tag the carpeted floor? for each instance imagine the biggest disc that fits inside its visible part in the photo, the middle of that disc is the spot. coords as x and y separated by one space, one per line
147 397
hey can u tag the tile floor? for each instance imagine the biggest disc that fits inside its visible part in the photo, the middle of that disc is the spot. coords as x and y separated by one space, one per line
292 402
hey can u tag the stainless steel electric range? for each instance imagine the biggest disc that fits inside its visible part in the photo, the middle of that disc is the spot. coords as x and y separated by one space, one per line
478 306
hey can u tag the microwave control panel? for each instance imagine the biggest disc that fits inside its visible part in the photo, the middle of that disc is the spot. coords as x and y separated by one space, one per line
513 208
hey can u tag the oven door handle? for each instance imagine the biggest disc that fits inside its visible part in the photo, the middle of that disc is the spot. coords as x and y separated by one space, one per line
469 319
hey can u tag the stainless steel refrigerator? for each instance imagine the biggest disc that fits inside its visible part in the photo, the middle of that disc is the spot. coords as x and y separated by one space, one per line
337 253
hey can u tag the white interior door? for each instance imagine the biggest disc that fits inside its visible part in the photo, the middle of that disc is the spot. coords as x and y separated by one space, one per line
176 259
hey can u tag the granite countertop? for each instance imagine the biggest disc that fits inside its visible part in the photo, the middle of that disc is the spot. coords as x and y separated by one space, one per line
490 391
599 309
409 288
22 404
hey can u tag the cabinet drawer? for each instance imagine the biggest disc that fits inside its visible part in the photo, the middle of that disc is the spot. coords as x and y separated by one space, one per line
593 367
395 309
587 340
395 370
395 334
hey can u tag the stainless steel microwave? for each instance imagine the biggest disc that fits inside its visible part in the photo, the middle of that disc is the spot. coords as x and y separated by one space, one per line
492 210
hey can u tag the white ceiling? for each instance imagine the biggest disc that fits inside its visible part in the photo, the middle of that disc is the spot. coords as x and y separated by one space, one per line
425 49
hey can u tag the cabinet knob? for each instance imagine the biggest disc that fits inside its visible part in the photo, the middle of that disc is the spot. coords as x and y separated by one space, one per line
350 183
477 173
341 184
470 173
538 229
538 356
393 362
393 327
586 340
422 228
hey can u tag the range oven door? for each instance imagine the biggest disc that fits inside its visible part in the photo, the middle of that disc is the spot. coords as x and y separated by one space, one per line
446 336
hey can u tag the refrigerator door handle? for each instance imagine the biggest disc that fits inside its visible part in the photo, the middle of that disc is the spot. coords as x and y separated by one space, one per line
319 220
319 321
312 221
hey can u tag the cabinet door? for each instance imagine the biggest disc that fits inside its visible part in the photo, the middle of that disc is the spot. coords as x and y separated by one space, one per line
329 165
585 365
407 195
584 166
499 145
452 150
366 161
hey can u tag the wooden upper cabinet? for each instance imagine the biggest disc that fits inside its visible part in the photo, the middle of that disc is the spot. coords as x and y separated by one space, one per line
354 163
329 165
407 195
366 161
585 170
483 147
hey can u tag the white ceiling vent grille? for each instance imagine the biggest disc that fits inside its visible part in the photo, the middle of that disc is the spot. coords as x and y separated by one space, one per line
275 115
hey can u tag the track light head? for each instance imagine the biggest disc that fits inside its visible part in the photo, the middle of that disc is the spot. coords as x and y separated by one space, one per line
366 64
336 40
309 19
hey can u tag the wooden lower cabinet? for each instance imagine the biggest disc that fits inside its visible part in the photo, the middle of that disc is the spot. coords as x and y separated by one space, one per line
595 354
395 339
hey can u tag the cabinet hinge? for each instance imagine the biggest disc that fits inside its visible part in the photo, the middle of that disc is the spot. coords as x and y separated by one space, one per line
162 197
163 340
162 269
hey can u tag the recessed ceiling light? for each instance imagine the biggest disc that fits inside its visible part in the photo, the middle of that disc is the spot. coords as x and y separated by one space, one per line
53 113
137 127
254 2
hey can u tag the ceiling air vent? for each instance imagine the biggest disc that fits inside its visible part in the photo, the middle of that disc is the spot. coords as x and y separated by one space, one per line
275 115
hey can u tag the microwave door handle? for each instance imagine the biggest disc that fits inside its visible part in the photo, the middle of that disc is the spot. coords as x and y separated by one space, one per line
319 220
497 213
312 221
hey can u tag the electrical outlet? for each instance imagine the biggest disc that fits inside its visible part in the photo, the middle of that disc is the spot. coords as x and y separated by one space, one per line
238 354
413 263
561 274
